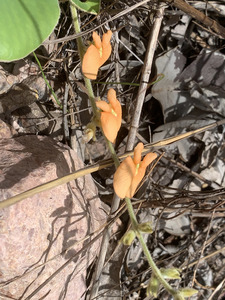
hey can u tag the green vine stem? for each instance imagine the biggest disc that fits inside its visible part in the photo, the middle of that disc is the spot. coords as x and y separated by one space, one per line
155 269
46 81
134 222
157 79
81 50
87 81
113 153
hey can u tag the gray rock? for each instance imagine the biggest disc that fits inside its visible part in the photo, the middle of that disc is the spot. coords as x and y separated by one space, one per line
38 235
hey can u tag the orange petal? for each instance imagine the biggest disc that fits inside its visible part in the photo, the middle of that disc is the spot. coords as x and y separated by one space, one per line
118 118
137 153
135 182
91 62
141 172
97 40
118 122
111 95
103 106
148 159
106 38
109 126
116 106
106 47
123 177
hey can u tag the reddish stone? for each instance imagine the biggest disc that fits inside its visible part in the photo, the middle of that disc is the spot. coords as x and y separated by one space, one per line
35 232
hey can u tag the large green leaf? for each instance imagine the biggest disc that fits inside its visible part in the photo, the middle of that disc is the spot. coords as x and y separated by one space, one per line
24 25
90 6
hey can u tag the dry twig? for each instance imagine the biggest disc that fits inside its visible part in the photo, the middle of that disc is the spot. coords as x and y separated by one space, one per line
199 16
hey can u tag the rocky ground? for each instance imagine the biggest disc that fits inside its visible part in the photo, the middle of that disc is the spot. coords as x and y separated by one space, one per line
49 242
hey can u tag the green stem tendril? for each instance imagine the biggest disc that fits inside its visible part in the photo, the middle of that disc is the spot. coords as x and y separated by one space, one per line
46 81
113 153
155 80
88 81
134 222
155 269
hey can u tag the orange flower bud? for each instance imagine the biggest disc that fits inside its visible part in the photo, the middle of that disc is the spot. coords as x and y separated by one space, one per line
187 292
130 172
111 115
96 54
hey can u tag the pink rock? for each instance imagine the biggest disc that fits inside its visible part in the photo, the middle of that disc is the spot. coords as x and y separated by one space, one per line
38 235
6 131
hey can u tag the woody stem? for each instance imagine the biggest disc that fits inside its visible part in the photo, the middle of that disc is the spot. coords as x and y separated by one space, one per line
81 50
155 269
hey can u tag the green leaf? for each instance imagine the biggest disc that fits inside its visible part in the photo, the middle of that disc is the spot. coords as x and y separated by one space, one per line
187 292
89 6
145 227
25 24
172 273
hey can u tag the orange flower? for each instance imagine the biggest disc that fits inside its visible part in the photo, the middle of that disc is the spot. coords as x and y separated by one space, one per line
111 115
130 173
96 54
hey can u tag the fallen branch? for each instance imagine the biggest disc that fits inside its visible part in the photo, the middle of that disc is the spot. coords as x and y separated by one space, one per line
198 15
